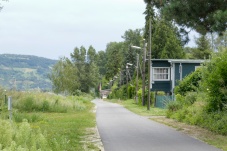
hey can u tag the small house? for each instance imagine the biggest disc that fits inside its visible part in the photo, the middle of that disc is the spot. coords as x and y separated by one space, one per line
166 73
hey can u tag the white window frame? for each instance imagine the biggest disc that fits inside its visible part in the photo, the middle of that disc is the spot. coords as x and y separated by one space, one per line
153 73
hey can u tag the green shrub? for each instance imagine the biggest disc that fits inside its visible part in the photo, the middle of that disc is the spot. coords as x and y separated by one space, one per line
215 81
215 122
46 106
190 83
190 98
161 93
139 96
119 93
131 91
193 115
7 133
172 107
27 104
77 92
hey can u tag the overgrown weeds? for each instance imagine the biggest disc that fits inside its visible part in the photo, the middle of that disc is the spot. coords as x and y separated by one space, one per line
195 113
44 121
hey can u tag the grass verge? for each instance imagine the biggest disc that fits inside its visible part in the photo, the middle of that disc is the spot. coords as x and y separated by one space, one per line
55 129
138 109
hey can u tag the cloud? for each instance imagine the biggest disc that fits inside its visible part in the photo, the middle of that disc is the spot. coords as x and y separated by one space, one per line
53 28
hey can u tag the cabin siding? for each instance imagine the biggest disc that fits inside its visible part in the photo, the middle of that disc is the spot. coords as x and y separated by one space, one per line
187 68
162 86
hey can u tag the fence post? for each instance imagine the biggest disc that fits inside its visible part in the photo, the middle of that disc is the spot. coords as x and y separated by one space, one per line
10 107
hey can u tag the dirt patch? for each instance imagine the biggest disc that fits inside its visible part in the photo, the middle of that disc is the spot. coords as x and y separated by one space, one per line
92 140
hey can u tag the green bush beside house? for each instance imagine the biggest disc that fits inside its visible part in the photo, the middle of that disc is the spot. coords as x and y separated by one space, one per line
201 98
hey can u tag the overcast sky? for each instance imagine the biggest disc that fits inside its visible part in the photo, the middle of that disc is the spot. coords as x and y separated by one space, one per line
53 28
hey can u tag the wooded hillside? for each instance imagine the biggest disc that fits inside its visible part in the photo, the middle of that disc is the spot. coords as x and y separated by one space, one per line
25 72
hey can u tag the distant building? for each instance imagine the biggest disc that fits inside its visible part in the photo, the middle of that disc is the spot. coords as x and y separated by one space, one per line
104 93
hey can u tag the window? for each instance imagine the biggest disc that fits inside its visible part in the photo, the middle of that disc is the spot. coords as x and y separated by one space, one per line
161 74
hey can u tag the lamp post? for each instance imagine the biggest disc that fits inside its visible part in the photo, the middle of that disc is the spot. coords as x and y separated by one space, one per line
137 75
143 75
127 68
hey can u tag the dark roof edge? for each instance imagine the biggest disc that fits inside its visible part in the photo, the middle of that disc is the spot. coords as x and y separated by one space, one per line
180 60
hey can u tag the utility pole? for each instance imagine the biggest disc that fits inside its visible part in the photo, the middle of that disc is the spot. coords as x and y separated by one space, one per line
126 74
137 76
149 69
144 61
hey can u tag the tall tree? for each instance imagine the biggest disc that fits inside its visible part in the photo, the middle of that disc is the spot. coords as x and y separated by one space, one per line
165 42
64 77
203 49
221 41
114 59
149 16
203 16
84 61
101 62
131 37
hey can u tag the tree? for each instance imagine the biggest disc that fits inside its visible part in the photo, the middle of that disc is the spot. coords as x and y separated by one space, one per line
221 41
1 7
203 49
214 82
87 69
203 16
165 43
149 16
131 37
188 52
64 77
101 62
79 73
114 59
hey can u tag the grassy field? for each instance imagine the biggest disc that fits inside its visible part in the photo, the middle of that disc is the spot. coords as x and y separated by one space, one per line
158 115
47 122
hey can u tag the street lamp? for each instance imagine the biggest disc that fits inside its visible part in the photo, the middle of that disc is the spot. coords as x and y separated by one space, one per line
127 70
129 64
143 75
137 75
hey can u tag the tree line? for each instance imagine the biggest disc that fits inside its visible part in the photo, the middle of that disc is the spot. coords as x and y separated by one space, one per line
87 68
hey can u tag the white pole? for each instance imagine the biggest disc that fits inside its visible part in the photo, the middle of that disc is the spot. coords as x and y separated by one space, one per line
10 107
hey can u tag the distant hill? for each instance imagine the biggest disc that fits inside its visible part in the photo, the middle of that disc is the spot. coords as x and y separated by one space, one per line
25 72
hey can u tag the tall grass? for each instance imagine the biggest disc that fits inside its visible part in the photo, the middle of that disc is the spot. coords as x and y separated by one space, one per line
45 121
21 138
192 110
46 102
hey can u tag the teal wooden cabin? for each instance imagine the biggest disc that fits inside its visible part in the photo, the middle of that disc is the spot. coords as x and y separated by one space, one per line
166 73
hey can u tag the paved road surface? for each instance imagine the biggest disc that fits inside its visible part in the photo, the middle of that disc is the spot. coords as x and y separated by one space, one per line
122 130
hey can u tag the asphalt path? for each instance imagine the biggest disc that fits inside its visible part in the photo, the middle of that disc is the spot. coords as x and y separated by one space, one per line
122 130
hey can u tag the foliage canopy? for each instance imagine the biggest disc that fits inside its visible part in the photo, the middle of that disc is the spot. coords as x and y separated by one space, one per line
203 16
